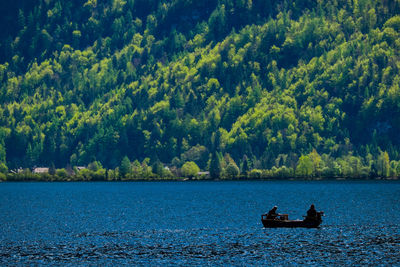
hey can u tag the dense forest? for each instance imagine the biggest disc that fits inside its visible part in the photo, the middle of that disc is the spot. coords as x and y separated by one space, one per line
136 89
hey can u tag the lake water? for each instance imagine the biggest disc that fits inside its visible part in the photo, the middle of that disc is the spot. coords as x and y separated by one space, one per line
197 223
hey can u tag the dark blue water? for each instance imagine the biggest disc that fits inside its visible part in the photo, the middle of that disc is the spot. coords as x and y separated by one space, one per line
197 223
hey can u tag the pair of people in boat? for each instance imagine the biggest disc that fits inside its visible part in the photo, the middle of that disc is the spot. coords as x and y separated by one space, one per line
311 213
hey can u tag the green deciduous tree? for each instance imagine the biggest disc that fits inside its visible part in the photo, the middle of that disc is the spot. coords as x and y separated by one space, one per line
190 169
383 164
232 170
305 166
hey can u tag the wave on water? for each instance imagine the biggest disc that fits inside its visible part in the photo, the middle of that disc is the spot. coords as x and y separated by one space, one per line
209 247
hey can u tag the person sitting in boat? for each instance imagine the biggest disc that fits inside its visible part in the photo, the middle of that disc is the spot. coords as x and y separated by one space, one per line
272 213
311 213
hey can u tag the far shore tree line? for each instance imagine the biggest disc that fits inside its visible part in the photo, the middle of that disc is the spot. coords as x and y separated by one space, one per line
218 166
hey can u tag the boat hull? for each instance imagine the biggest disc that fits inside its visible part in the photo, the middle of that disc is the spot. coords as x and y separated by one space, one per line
290 223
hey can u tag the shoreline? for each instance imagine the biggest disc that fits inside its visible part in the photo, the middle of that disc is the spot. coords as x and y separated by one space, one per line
274 179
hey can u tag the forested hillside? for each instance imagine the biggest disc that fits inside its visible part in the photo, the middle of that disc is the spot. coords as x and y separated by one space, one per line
259 88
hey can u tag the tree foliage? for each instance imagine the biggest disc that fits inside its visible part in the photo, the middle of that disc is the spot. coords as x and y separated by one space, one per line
190 169
307 88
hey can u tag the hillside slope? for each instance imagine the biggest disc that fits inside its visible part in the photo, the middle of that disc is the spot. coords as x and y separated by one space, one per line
258 84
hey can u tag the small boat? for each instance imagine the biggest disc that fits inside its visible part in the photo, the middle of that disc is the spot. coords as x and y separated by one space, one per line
283 221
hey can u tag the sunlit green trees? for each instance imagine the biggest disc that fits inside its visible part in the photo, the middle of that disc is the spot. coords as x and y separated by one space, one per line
305 166
383 164
299 89
190 169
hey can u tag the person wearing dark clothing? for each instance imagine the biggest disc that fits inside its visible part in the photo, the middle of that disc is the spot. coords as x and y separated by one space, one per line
272 213
311 213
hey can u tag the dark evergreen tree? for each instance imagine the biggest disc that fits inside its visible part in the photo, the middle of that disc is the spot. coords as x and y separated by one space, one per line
125 167
215 166
245 165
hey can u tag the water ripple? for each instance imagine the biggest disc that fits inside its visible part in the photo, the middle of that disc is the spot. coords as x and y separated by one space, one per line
197 224
278 247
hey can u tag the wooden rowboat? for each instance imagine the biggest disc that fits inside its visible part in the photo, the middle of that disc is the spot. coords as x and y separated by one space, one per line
283 221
